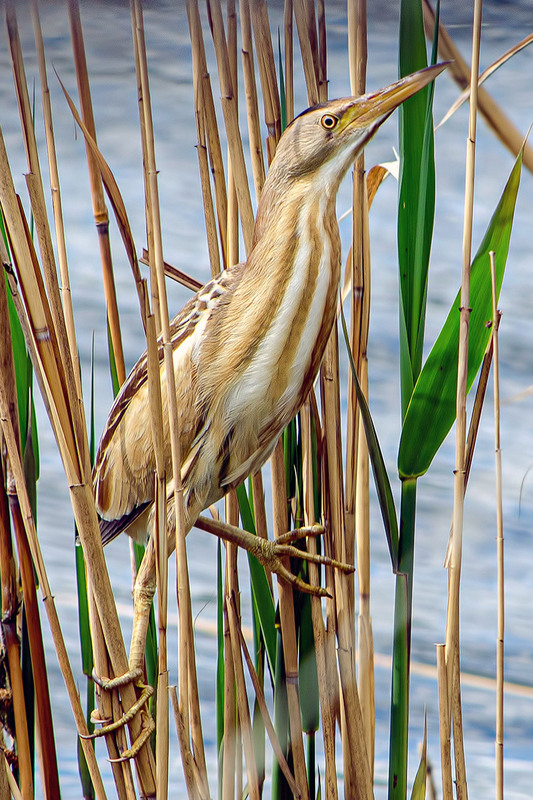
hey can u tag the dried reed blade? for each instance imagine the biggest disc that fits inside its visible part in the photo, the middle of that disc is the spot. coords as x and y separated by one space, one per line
97 195
176 274
493 114
465 94
115 198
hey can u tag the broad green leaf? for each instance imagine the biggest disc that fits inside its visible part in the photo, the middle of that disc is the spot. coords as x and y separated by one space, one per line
416 202
431 412
379 470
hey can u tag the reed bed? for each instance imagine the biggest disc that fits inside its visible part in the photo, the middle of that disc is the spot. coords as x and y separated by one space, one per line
295 696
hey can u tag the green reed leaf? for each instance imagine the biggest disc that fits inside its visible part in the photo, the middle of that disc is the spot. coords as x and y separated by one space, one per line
431 412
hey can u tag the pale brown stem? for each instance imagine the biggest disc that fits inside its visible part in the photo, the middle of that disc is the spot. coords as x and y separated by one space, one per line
288 631
499 539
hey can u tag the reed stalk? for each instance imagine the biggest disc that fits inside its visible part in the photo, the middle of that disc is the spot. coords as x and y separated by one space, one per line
454 569
499 538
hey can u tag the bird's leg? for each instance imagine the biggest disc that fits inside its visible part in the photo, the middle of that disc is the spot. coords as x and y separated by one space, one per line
143 594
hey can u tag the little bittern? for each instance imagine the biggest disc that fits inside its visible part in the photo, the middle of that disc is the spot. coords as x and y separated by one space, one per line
248 346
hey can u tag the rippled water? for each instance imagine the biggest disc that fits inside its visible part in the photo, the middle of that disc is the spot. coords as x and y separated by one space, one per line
108 43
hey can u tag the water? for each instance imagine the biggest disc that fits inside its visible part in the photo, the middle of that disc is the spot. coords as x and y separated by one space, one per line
108 43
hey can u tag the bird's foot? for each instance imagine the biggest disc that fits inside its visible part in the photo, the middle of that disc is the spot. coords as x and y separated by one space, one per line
148 725
271 554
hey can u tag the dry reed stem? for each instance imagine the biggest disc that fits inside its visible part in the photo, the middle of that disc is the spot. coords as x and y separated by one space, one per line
452 622
276 747
289 59
8 569
12 784
356 765
288 630
499 539
268 76
187 674
444 724
326 692
233 205
203 164
157 267
493 114
97 195
454 569
461 789
230 721
307 36
107 700
45 728
190 770
64 664
205 110
137 37
252 108
357 464
242 700
56 195
11 642
66 416
229 109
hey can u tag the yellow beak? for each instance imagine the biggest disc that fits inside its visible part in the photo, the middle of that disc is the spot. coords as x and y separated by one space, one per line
373 107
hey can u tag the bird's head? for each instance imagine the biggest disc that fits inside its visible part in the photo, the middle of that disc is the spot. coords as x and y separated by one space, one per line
324 140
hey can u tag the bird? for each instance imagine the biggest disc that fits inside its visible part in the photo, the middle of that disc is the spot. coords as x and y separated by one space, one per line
248 346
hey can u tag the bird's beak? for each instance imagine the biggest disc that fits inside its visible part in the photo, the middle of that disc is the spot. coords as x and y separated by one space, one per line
376 107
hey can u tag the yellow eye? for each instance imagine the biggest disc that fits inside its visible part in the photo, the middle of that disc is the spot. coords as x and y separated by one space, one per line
329 121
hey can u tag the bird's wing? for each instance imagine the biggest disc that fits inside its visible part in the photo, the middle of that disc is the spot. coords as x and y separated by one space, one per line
123 475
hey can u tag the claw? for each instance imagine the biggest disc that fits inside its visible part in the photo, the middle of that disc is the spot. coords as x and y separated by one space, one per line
115 683
144 735
108 727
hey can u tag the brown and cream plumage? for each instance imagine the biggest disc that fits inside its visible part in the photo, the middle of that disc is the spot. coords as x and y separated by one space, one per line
248 346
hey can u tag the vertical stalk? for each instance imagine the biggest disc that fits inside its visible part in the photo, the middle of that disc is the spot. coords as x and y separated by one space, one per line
402 645
499 541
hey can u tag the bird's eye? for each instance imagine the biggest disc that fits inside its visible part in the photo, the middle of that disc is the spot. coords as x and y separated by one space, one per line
329 121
